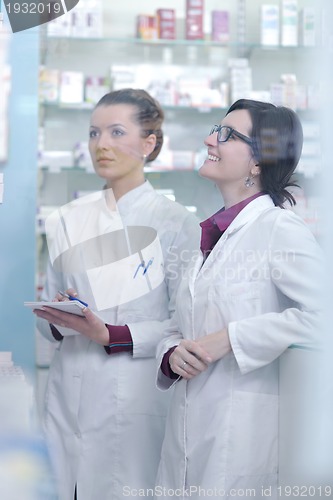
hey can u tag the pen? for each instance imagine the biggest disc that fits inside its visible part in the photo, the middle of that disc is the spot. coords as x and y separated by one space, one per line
70 297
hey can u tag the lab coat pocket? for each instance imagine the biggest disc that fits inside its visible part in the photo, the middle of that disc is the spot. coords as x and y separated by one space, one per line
253 438
231 302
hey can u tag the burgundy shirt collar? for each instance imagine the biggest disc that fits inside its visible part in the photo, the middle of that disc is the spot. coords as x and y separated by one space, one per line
223 218
215 225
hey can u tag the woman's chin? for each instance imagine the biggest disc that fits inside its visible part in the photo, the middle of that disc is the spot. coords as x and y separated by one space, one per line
104 173
204 171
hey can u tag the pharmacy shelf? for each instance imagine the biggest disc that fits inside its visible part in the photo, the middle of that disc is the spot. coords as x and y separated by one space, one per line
133 50
208 52
177 42
87 106
161 61
147 169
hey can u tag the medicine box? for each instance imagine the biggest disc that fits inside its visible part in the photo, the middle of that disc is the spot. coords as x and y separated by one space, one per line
307 27
166 24
146 27
194 19
269 24
220 26
289 23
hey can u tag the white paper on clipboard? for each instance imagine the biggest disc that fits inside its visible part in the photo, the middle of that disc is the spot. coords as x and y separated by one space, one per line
69 306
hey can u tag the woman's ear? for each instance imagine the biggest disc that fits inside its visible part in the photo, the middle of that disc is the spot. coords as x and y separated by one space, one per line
149 144
255 170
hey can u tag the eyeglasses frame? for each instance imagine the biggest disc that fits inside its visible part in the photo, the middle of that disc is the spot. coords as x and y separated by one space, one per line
232 131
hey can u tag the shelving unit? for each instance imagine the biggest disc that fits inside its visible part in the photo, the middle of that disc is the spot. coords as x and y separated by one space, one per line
185 126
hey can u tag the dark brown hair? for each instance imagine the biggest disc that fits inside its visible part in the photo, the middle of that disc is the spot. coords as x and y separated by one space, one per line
149 116
277 140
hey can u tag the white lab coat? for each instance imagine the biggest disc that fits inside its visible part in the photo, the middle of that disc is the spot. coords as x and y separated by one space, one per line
262 280
104 417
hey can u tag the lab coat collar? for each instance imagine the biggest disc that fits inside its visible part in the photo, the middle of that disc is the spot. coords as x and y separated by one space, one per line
250 212
127 203
129 200
247 215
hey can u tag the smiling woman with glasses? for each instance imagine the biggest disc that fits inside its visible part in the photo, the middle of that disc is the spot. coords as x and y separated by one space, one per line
243 302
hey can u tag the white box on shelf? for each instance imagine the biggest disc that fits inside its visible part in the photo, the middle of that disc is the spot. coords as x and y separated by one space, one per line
277 93
60 26
164 92
240 81
94 23
301 97
289 23
164 159
86 19
95 88
269 24
260 95
311 148
314 93
189 84
311 130
71 87
238 62
122 76
48 85
56 160
81 156
290 95
307 27
225 94
78 22
309 166
206 98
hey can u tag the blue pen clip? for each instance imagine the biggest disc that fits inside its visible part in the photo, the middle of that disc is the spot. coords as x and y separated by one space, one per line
149 264
70 297
144 267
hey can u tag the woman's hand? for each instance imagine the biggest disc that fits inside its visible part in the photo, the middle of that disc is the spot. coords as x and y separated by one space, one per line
62 297
189 359
90 325
192 357
216 344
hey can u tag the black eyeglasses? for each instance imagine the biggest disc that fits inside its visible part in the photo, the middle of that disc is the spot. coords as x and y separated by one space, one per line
224 133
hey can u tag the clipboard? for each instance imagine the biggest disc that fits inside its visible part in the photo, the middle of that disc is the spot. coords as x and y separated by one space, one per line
68 306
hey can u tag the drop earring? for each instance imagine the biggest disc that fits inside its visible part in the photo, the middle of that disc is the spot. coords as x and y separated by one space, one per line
249 182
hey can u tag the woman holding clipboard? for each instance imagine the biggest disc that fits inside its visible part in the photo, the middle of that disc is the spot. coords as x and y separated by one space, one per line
122 251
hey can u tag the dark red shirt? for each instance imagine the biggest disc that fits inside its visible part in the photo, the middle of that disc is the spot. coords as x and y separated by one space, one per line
213 227
120 338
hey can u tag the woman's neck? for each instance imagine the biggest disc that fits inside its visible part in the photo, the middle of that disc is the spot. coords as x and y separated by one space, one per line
231 199
122 186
